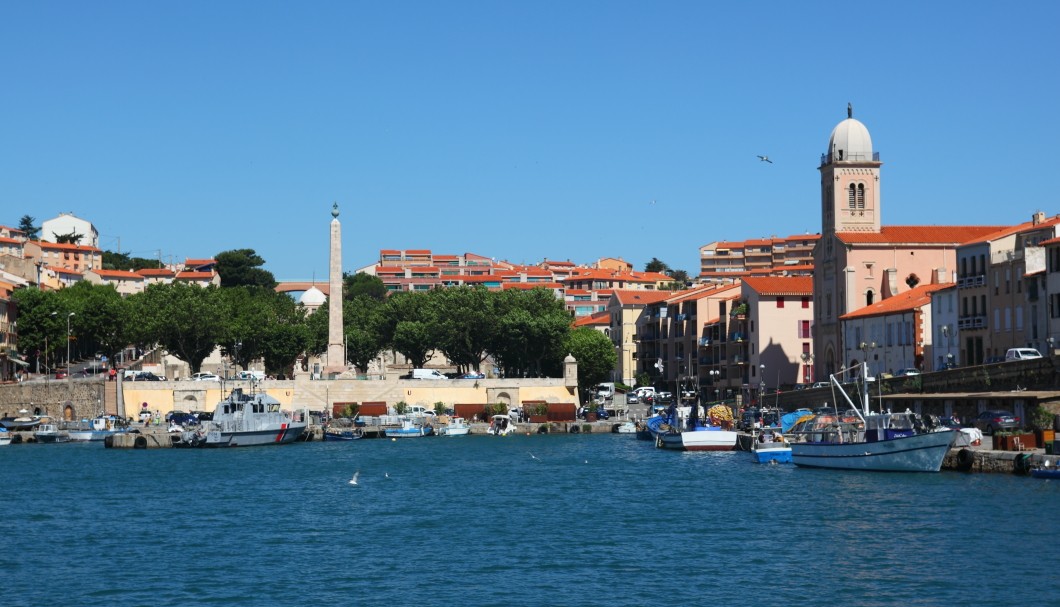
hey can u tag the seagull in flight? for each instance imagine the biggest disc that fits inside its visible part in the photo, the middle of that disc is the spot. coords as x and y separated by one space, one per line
765 159
353 481
532 456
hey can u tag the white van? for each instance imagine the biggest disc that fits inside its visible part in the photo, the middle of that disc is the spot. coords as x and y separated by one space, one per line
605 390
1021 354
427 374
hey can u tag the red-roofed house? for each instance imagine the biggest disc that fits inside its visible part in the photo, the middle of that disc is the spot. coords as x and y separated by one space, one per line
891 334
858 261
200 265
203 279
126 283
725 261
74 257
154 276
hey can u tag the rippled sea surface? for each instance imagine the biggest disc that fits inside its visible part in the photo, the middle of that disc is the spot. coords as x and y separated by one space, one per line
522 520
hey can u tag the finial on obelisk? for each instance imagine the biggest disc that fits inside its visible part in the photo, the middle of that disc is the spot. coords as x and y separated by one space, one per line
335 210
850 111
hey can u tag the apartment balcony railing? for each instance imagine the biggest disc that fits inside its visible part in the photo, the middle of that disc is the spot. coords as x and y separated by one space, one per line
971 281
971 322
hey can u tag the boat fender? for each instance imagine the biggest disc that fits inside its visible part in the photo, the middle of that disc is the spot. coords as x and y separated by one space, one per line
965 460
658 442
1022 463
140 442
575 429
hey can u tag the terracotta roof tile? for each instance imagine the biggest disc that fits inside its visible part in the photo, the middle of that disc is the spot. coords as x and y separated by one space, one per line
780 285
164 272
594 320
903 302
122 274
912 235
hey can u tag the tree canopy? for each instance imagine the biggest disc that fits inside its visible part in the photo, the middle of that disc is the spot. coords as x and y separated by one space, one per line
26 224
242 267
355 285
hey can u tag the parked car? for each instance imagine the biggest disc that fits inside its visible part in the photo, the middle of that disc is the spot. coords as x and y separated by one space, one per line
60 374
819 384
182 418
663 398
473 375
988 421
205 377
1022 354
631 398
146 376
901 372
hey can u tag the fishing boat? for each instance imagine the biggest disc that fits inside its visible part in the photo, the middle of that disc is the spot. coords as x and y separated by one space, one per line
23 422
5 437
681 429
409 429
96 429
1046 470
50 433
861 440
244 420
343 434
770 447
456 427
628 427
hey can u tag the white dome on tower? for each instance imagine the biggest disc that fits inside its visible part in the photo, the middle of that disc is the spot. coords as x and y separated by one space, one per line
313 298
850 140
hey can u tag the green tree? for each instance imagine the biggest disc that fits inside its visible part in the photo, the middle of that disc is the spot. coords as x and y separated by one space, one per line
530 328
188 320
656 266
287 336
362 319
40 333
101 321
26 225
355 285
242 267
70 238
406 326
595 355
122 261
465 322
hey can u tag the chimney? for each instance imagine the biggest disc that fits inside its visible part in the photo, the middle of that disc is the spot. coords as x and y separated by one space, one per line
1037 218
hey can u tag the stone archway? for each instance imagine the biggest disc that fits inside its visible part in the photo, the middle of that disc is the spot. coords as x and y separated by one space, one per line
189 403
68 411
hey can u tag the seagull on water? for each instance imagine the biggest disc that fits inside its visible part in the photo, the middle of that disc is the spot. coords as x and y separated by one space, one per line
353 481
532 456
386 474
765 159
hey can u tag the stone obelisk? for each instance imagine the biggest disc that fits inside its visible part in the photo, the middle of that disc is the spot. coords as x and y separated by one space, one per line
336 350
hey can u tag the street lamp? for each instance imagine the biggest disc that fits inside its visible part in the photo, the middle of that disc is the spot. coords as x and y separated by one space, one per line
68 317
807 360
867 347
762 383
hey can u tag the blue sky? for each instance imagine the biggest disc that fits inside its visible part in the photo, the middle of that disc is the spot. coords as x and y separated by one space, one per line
515 130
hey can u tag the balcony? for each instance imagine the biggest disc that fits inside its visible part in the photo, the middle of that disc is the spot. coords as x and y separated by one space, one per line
971 281
971 322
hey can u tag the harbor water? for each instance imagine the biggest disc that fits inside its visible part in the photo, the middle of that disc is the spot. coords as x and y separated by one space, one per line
518 520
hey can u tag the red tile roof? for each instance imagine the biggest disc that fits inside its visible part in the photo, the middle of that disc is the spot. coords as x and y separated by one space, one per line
194 275
61 270
1016 229
639 298
903 302
122 274
195 263
594 320
163 272
912 235
780 285
62 246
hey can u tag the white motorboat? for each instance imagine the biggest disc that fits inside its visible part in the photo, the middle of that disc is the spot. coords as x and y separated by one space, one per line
96 429
5 437
501 425
860 440
770 447
244 420
409 429
456 427
50 433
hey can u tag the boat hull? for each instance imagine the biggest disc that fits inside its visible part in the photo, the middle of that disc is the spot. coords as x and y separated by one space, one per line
406 433
80 436
698 440
288 433
916 453
345 435
765 454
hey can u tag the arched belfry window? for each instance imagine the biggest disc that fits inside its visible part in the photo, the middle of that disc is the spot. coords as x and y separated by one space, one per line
852 197
861 196
870 295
